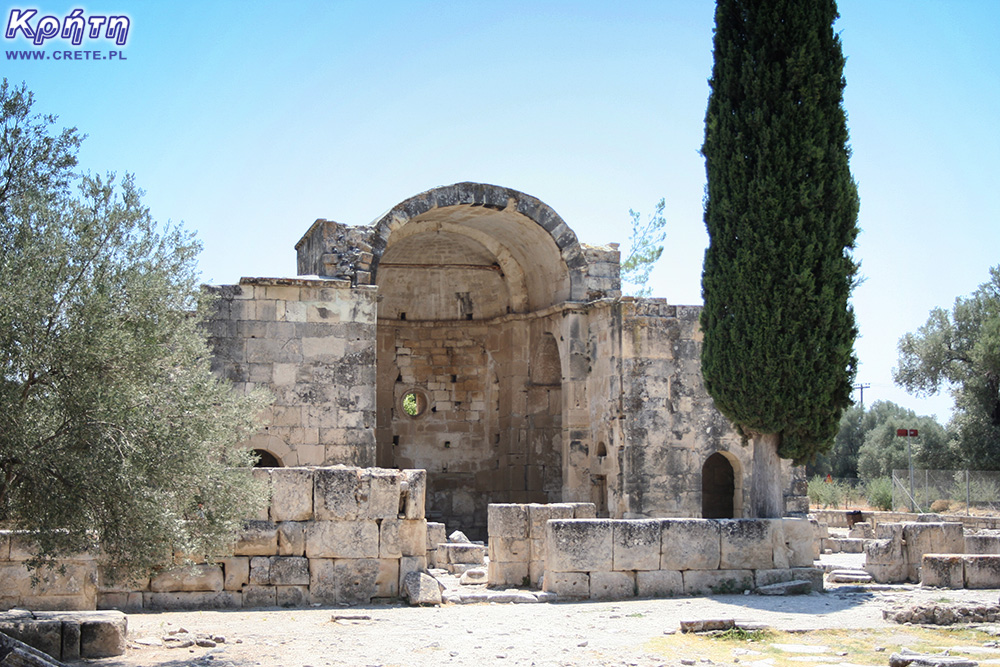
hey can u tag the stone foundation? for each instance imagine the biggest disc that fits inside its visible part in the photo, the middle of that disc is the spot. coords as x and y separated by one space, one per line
897 552
616 559
330 536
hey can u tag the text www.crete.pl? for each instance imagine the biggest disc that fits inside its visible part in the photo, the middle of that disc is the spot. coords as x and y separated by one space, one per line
66 55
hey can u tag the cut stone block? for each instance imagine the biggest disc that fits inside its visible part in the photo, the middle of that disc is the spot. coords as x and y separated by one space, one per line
465 554
236 572
103 638
612 585
384 494
539 515
260 571
635 545
509 550
388 539
342 539
584 510
292 538
689 544
289 571
188 578
982 571
338 494
579 545
717 582
659 583
413 502
291 596
413 537
943 571
409 564
746 543
183 600
258 538
800 539
982 544
777 576
263 476
291 494
259 596
507 520
567 584
508 574
387 578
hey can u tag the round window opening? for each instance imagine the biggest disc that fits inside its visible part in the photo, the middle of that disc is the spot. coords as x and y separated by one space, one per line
414 403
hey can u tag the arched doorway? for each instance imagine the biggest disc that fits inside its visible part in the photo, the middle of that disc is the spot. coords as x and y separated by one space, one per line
719 485
266 459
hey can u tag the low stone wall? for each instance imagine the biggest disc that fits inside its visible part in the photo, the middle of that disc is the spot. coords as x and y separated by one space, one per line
517 539
896 553
335 535
838 519
617 559
960 571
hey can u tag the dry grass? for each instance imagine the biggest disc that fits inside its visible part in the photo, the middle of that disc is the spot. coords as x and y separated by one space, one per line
858 647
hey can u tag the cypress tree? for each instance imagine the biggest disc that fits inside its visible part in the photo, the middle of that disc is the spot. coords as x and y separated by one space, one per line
781 211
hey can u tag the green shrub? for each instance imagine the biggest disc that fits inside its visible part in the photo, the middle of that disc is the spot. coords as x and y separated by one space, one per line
879 493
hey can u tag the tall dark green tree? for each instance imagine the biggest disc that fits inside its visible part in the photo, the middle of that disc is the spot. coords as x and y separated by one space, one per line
781 211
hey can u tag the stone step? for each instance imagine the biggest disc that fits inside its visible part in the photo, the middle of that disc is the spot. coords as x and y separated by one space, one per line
796 587
849 577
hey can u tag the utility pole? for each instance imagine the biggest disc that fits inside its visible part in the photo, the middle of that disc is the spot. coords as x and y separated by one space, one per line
861 386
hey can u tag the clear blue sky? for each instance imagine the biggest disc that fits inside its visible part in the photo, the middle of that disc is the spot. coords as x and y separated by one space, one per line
249 120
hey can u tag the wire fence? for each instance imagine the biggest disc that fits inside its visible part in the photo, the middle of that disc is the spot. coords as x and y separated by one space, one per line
968 491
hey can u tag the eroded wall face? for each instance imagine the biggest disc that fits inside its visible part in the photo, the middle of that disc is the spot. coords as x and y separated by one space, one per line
311 343
487 430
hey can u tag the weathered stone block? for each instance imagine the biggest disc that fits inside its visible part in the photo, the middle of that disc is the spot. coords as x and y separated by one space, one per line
356 579
291 494
416 490
612 585
126 602
509 550
746 544
539 515
717 582
44 635
342 539
658 583
291 596
689 544
943 571
409 564
236 572
387 578
322 582
263 477
388 539
339 494
413 537
104 638
579 545
982 544
71 640
931 538
777 576
202 577
507 520
259 596
567 584
421 589
636 545
258 538
384 494
291 538
584 510
260 571
982 571
799 538
508 574
289 571
192 600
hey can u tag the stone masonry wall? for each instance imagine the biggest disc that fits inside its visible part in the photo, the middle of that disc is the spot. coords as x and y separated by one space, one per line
311 343
330 536
897 552
616 559
517 539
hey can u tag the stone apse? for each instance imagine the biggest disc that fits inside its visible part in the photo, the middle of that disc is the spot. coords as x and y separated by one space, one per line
469 333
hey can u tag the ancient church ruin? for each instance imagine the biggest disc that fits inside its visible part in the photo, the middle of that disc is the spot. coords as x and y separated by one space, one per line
469 333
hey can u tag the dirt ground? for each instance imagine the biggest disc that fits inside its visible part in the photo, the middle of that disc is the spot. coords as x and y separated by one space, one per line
563 634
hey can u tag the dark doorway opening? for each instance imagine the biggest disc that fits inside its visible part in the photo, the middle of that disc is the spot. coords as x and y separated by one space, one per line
718 488
267 459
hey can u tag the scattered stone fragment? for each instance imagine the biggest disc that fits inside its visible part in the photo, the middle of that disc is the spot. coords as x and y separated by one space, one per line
473 576
422 589
918 660
351 617
796 587
849 577
458 537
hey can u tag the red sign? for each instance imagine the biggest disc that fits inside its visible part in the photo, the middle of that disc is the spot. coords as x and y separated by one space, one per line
902 432
913 432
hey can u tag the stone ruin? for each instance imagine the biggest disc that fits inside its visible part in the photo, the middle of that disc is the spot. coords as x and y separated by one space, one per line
464 351
469 333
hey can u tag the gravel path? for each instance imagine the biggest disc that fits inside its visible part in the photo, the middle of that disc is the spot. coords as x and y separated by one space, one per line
578 633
